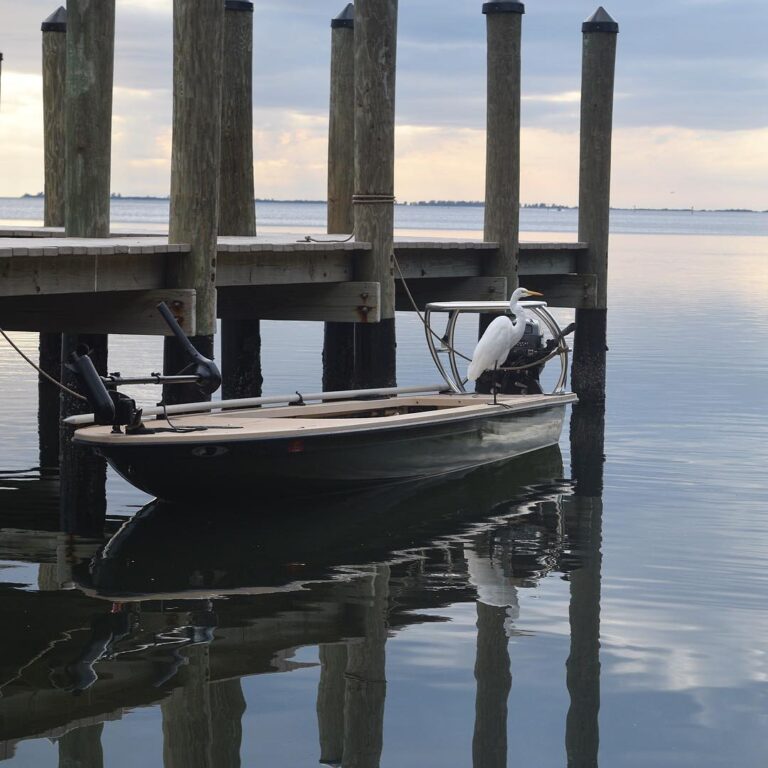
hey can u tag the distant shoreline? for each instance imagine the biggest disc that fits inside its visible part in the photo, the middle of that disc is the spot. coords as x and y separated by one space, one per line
435 203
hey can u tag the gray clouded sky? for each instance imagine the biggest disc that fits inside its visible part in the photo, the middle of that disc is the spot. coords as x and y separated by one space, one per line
692 98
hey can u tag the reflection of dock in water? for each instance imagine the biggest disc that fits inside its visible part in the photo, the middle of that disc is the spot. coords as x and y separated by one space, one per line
146 625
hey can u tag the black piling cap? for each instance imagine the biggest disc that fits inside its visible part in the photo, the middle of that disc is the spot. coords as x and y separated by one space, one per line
345 19
56 22
600 21
238 5
505 7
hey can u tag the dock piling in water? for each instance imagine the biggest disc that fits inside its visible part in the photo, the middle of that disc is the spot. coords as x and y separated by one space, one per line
240 336
502 161
597 79
54 30
375 69
339 338
198 37
90 41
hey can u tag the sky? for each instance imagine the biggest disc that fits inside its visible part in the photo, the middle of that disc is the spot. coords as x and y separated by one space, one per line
690 113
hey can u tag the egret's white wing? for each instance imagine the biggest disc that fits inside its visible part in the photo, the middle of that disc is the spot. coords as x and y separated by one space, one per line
493 347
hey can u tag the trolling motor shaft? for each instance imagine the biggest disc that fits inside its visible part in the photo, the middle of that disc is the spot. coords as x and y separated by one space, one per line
111 407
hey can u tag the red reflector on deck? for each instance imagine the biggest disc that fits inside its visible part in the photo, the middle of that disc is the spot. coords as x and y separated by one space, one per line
296 446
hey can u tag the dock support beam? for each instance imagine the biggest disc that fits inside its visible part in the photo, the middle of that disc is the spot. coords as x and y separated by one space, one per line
198 32
54 30
597 77
88 142
375 69
339 338
240 337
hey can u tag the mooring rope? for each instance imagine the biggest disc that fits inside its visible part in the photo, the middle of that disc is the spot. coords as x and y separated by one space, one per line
61 386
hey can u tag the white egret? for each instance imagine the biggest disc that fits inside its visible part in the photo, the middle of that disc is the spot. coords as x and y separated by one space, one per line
499 338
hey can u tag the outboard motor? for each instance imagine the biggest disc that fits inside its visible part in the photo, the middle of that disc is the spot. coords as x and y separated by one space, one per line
525 379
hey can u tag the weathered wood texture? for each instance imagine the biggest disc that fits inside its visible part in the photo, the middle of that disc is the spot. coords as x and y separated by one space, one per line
198 30
375 55
350 302
88 144
341 127
237 212
339 338
240 338
597 82
54 30
502 164
94 313
88 122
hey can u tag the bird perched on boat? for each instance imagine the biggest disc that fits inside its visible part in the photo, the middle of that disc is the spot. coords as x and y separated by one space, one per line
499 338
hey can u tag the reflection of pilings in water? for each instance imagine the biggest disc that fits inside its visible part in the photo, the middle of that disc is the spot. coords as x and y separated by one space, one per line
584 513
227 708
494 680
330 702
497 603
81 748
187 715
366 685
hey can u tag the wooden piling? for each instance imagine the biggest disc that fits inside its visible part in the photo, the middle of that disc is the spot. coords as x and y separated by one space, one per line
375 57
88 142
339 338
502 161
240 337
198 32
597 78
54 30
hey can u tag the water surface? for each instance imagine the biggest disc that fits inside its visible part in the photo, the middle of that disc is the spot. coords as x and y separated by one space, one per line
448 624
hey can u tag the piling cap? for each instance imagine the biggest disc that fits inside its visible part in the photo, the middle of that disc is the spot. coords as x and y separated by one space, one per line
345 19
56 22
600 21
503 7
238 5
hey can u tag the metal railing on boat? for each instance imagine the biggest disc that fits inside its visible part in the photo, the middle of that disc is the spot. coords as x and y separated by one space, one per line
454 379
253 402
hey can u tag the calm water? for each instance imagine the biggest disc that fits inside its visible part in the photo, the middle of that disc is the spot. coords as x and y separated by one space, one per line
459 620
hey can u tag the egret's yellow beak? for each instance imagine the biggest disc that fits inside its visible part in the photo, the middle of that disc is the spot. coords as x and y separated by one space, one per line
534 293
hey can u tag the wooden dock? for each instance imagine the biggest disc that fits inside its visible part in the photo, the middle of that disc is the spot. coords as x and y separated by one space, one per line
111 285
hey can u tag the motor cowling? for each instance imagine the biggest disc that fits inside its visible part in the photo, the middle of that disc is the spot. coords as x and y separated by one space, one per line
524 381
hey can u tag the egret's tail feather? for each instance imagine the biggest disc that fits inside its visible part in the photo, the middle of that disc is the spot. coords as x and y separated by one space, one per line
474 371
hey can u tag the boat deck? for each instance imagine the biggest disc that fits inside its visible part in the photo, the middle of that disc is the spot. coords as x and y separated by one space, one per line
334 418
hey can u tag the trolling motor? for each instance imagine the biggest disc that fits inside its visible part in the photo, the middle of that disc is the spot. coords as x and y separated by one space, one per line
111 407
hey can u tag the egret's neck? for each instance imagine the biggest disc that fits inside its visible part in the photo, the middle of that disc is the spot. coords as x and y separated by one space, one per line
517 311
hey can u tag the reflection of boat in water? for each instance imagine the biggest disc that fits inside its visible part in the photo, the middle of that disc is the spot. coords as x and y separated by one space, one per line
213 550
392 435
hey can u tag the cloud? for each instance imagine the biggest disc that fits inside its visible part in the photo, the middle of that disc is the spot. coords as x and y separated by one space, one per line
691 74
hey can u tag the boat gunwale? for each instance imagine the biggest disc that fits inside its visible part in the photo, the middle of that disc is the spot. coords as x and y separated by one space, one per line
100 436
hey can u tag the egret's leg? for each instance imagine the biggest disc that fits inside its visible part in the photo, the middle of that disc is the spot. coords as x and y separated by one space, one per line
494 382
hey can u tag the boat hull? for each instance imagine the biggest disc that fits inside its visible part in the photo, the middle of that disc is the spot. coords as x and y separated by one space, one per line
331 462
